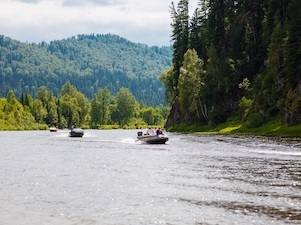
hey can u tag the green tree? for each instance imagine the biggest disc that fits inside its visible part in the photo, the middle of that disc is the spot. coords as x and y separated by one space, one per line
190 84
52 112
148 115
180 38
28 101
294 44
100 112
293 77
95 110
39 111
12 114
69 110
74 107
127 106
198 37
167 79
104 98
50 103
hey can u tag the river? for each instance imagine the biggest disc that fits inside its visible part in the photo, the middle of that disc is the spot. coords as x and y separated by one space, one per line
109 178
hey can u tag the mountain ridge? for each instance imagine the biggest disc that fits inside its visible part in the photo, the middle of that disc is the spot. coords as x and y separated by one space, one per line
88 62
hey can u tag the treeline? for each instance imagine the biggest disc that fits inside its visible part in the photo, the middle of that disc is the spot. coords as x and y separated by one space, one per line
235 60
72 107
88 62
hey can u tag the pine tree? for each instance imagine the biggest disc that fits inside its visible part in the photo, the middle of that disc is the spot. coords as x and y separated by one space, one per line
294 44
180 37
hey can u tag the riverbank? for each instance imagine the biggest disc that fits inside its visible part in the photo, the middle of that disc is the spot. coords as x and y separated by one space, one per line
272 129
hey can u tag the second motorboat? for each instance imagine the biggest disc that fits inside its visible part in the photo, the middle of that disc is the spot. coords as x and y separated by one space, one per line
153 136
76 132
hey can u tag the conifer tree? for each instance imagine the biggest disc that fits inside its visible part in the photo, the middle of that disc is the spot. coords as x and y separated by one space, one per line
180 37
294 44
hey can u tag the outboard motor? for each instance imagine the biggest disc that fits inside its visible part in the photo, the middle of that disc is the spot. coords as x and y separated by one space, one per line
139 133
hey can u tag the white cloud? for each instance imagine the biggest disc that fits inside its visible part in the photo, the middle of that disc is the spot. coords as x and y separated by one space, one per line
141 21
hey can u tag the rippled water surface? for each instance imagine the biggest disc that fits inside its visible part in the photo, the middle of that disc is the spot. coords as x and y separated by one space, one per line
107 177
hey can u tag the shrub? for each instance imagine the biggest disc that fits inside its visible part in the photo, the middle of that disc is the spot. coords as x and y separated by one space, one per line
255 120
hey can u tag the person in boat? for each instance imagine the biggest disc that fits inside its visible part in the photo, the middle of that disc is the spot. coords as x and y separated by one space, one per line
149 131
159 131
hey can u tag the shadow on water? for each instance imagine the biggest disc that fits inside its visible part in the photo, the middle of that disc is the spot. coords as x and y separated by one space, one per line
291 215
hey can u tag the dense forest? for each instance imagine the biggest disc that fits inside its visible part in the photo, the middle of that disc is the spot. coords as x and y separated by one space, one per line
71 107
235 59
88 62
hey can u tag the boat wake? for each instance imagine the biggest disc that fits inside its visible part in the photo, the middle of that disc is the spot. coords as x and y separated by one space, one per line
129 141
271 152
62 134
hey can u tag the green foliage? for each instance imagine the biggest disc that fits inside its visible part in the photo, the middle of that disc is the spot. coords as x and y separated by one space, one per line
251 54
293 108
255 120
275 128
95 112
100 106
245 84
72 107
190 84
88 62
164 111
13 116
49 106
216 115
148 115
39 111
244 107
167 79
135 123
180 37
293 75
127 106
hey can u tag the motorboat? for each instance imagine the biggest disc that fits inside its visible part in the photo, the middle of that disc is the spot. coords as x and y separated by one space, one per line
53 129
76 132
152 138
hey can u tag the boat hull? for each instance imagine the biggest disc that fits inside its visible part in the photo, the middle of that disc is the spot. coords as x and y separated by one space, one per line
76 132
153 139
53 129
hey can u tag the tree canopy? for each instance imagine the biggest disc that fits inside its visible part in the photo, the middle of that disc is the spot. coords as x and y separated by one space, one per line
88 62
231 55
71 107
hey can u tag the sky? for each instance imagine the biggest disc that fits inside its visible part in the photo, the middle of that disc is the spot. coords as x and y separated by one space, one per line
140 21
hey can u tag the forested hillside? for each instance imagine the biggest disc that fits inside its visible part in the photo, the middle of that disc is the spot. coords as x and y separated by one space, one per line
72 107
235 59
88 62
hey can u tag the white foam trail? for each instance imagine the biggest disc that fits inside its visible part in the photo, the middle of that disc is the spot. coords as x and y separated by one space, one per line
62 134
88 134
278 152
128 140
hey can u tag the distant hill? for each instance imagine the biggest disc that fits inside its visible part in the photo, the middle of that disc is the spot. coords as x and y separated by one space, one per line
88 62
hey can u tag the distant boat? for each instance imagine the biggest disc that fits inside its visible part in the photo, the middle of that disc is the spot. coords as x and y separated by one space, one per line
76 132
53 129
152 139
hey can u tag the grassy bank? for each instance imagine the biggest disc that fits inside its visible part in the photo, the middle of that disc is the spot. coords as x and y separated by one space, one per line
271 129
31 126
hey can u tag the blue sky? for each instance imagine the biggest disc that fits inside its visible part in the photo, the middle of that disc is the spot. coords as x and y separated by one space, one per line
140 21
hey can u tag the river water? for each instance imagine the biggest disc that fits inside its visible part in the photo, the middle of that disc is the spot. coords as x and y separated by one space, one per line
107 177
